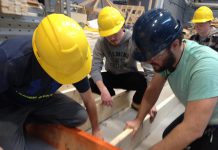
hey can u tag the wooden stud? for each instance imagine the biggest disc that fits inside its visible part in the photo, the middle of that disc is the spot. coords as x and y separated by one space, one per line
64 138
124 141
120 102
150 4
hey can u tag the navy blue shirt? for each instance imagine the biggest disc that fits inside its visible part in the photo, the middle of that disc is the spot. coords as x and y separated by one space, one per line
22 79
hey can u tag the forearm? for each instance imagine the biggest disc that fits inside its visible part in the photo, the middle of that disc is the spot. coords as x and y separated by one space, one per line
101 86
150 97
90 105
147 105
196 117
91 109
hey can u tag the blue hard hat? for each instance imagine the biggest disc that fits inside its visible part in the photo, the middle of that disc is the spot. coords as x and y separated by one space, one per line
154 31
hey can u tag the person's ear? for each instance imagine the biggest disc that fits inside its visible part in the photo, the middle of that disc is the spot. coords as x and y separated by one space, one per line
175 44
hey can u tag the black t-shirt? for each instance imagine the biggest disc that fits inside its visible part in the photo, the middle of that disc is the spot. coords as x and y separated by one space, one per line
21 77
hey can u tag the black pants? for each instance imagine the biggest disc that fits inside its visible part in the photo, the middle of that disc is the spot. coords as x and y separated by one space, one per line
59 109
129 81
209 140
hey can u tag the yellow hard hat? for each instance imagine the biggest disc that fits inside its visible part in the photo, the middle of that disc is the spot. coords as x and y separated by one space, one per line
110 21
62 49
202 14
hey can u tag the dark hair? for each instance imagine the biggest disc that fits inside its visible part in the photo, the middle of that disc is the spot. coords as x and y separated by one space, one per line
180 38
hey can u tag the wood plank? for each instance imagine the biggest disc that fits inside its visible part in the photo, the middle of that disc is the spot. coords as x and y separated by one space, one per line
120 102
155 4
124 140
33 2
64 138
71 92
150 4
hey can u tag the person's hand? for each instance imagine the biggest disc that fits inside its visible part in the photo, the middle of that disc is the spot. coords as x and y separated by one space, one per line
134 125
106 98
96 133
153 113
1 148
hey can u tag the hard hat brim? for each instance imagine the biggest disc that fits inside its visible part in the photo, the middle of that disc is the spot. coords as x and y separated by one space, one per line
105 33
201 20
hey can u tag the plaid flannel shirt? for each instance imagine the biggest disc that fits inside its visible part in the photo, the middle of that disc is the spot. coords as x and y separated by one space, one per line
211 40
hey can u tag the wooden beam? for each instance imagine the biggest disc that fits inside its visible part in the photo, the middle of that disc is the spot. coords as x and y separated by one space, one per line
120 102
150 4
156 2
64 138
33 2
124 140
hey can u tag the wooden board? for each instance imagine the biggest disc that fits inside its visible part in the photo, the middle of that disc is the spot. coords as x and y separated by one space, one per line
33 2
67 138
64 138
124 140
19 7
120 102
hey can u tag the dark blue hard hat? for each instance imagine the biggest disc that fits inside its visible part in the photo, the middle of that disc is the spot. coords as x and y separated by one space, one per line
154 31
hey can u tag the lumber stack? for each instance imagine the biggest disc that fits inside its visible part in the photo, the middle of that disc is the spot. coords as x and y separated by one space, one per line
20 7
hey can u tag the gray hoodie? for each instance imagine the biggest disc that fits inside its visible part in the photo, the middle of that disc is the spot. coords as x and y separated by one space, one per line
118 59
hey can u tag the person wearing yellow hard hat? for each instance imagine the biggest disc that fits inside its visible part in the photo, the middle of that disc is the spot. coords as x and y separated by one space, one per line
206 34
32 68
115 45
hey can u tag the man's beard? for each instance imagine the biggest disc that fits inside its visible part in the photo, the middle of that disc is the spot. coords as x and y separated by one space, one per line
168 63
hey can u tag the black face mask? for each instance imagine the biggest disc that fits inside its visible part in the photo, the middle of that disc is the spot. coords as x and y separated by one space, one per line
168 63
